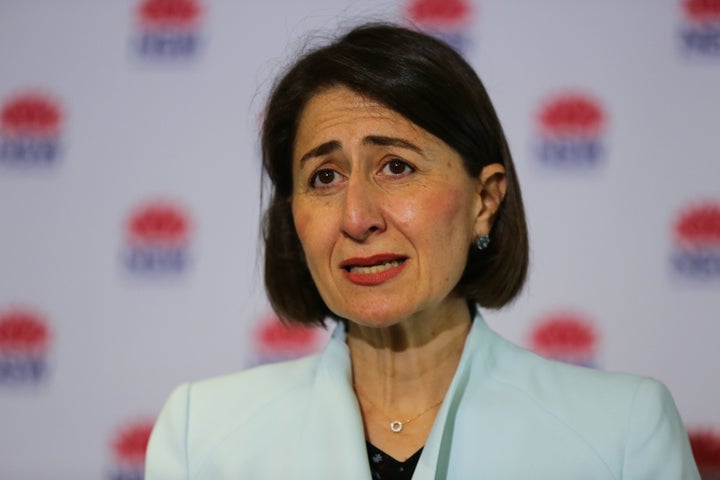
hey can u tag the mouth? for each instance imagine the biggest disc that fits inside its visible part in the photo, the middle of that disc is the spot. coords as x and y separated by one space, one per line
373 264
375 268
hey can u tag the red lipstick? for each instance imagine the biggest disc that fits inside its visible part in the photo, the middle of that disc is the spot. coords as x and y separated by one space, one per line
374 270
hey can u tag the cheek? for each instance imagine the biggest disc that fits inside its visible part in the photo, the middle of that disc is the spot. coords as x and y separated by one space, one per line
441 217
302 222
448 237
312 226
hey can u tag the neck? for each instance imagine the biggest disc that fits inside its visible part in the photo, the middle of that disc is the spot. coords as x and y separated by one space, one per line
407 367
402 373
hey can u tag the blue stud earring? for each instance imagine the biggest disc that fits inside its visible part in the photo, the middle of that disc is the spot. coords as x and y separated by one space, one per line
482 242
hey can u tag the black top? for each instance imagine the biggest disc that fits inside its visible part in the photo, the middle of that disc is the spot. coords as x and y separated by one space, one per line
385 467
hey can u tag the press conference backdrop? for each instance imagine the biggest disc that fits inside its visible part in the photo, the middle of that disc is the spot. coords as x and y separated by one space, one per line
130 189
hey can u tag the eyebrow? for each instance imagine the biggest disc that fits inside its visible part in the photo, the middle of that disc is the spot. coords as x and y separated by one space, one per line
376 140
383 141
320 150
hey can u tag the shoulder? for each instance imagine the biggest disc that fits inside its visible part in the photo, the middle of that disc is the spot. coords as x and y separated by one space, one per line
569 387
240 396
199 416
628 424
586 399
254 387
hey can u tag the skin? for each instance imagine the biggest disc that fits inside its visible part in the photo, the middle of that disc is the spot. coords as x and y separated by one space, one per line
366 181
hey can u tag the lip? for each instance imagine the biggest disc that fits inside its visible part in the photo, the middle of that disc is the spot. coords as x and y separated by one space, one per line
373 278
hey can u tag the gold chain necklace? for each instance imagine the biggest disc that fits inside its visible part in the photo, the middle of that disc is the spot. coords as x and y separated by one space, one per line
396 426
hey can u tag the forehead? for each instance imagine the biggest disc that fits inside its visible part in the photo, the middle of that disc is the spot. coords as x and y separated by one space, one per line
341 111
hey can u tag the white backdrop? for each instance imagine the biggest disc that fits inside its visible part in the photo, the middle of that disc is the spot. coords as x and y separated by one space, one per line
129 200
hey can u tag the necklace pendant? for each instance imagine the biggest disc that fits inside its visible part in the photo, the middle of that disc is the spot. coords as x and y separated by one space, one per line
396 426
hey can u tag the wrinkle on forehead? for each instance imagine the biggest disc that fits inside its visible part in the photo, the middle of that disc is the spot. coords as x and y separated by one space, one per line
340 106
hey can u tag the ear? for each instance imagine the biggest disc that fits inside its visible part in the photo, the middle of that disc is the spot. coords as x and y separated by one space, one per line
491 188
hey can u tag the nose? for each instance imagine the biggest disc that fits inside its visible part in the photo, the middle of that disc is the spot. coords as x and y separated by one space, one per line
362 210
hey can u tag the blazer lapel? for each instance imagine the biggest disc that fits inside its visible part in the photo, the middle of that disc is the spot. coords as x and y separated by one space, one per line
333 440
434 460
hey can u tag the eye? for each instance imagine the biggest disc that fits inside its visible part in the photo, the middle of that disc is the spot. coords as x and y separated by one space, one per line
324 178
397 167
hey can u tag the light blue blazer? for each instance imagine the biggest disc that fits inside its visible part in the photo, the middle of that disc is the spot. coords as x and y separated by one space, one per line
509 414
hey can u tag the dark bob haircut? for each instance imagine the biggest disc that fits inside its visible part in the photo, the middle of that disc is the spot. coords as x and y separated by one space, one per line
431 85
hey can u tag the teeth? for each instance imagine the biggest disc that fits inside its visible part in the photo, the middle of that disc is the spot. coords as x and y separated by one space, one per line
376 268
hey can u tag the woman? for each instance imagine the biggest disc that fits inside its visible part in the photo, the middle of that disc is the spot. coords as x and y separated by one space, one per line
395 211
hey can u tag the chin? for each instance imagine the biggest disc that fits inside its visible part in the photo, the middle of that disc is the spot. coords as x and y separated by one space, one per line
376 316
375 323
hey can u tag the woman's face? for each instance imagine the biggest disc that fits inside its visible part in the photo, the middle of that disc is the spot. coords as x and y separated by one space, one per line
385 211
